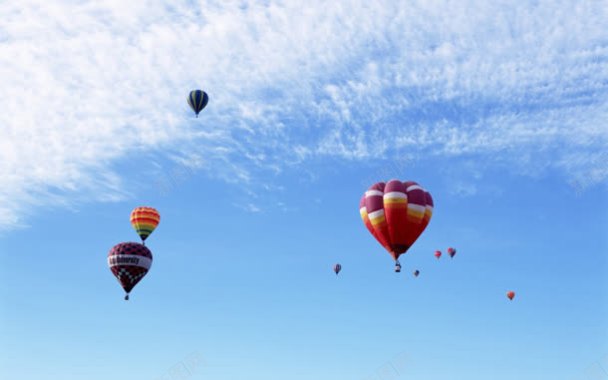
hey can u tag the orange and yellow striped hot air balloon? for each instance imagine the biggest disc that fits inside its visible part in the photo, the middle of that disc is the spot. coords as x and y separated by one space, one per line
396 213
144 220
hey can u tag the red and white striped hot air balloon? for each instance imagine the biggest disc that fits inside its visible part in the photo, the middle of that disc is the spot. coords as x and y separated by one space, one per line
396 213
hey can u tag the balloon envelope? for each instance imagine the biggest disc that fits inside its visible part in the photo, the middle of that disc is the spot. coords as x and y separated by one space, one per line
337 268
437 254
510 295
416 272
396 213
144 220
129 263
451 252
198 100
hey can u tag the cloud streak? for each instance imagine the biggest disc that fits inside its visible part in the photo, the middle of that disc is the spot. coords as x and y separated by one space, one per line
86 86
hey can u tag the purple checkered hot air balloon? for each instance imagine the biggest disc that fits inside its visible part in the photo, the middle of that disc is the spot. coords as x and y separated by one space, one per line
129 263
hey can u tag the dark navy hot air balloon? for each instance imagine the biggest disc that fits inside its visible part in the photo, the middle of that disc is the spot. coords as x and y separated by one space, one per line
451 252
197 100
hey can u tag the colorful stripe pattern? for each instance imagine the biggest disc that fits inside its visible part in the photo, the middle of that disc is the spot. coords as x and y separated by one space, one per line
364 217
129 263
396 213
144 220
428 212
374 204
417 210
198 100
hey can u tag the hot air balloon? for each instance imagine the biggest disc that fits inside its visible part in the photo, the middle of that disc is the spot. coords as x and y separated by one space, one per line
144 220
437 254
337 268
510 295
396 213
416 273
129 262
198 100
451 252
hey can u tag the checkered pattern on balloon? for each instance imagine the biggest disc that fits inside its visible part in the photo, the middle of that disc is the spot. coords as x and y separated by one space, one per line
129 262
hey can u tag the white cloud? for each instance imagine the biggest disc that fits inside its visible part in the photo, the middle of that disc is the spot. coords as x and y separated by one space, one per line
86 86
248 207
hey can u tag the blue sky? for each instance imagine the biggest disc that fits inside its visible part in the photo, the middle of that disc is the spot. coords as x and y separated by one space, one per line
498 110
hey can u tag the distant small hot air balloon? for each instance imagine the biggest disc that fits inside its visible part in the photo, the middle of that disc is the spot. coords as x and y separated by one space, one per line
129 263
198 100
396 213
451 252
437 254
416 273
337 268
510 295
144 220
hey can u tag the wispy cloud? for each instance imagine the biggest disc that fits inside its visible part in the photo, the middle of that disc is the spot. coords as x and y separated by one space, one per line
86 86
248 207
